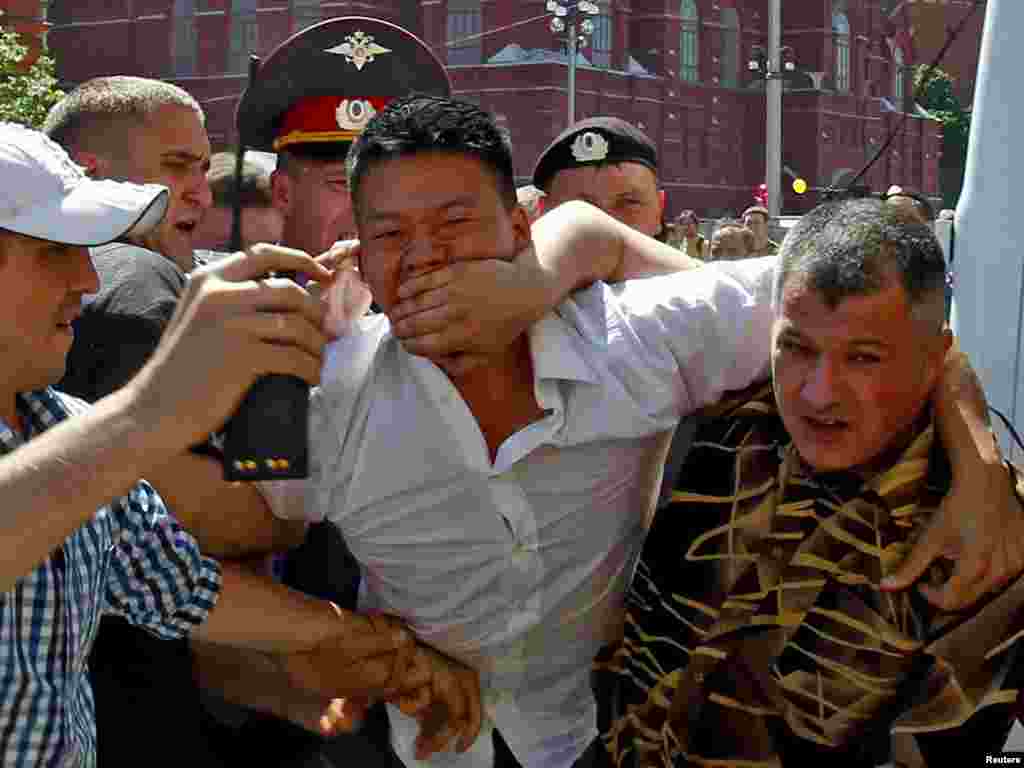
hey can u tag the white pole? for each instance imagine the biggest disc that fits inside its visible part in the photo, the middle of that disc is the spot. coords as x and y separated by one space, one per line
773 91
572 72
988 261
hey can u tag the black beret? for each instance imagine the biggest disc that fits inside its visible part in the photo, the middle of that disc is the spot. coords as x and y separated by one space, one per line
324 83
595 141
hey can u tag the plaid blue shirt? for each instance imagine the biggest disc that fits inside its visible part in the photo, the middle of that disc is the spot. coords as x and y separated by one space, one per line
131 559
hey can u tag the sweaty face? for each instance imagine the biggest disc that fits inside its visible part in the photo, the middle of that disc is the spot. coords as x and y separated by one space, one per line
851 381
171 148
314 199
43 285
421 212
627 191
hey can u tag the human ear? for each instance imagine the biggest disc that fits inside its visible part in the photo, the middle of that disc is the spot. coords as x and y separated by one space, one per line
281 192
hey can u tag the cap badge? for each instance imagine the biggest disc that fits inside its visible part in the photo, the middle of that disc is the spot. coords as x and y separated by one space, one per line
354 115
359 49
590 147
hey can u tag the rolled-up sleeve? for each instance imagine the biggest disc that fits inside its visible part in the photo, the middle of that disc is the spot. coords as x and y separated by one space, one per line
713 322
158 579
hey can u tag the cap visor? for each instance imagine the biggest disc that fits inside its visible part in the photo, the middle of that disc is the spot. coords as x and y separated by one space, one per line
94 213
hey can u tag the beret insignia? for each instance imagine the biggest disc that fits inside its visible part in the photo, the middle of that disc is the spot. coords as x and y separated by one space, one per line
590 147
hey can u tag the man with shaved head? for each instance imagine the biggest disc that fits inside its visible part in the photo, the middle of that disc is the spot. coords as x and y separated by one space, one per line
148 131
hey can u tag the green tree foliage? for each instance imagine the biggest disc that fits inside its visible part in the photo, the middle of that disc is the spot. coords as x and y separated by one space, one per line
937 96
26 95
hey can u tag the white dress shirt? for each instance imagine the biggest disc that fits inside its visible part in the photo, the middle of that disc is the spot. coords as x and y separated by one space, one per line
519 567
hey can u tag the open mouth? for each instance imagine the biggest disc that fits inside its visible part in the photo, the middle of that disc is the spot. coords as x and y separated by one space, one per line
826 425
186 227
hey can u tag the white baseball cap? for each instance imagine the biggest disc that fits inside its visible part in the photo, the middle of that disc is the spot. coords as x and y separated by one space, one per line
47 196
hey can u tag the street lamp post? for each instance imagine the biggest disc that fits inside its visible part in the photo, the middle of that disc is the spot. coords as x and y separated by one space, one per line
573 18
770 65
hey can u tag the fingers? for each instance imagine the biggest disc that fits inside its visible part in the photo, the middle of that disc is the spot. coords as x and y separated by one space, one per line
260 260
418 304
456 696
965 586
473 719
927 549
366 636
344 254
459 365
424 283
425 321
285 329
413 704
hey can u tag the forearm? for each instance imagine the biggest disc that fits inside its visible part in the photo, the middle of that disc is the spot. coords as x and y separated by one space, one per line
257 613
228 519
57 481
577 244
246 678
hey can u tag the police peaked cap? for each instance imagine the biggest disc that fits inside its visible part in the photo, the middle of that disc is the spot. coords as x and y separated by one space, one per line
595 141
324 83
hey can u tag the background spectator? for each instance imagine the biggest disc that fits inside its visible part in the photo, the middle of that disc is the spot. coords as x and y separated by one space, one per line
261 222
685 236
732 241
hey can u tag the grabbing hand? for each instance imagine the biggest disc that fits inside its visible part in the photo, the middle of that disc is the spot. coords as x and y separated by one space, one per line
367 657
446 706
980 523
459 315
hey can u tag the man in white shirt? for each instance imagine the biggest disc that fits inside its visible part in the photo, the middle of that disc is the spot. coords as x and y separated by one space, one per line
499 511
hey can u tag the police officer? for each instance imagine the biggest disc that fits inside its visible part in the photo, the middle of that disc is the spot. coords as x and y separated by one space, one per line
608 163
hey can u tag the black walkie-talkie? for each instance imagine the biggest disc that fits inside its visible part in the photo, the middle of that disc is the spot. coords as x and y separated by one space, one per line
268 436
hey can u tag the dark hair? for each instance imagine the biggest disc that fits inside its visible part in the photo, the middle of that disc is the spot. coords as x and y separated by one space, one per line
854 247
918 201
295 156
418 123
255 188
726 227
685 216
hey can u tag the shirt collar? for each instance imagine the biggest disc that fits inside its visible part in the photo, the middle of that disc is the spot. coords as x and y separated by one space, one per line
557 352
39 409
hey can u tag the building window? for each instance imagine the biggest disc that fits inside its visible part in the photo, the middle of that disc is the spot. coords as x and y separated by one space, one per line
245 34
730 47
305 13
689 42
465 22
603 38
899 90
184 45
841 36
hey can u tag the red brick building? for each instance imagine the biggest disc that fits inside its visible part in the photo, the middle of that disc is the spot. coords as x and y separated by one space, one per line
926 25
677 68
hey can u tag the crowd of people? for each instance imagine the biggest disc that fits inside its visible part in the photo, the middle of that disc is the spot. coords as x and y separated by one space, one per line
577 497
